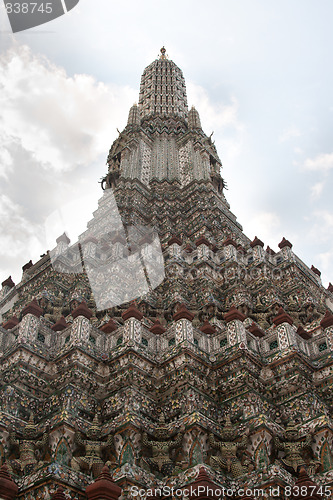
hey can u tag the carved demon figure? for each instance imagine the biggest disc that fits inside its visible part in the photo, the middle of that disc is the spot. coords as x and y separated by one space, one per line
161 460
227 460
92 461
28 446
294 448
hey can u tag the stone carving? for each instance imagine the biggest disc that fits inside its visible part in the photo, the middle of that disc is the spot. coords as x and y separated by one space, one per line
161 460
294 448
166 175
227 460
28 446
92 461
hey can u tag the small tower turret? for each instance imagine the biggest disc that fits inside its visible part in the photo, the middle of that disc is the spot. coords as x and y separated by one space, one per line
134 116
194 119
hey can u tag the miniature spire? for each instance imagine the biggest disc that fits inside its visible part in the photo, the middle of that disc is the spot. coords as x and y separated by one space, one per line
157 328
8 282
103 487
59 494
32 308
167 96
194 119
282 317
82 310
109 327
8 488
201 485
134 116
132 312
59 325
8 325
313 492
206 327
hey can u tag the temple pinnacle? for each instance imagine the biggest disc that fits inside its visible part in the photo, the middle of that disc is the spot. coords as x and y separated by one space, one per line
163 51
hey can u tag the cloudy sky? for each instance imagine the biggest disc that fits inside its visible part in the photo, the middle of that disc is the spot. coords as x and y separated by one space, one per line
259 72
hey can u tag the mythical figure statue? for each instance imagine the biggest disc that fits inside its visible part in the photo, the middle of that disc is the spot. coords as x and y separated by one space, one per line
218 182
92 462
294 448
161 460
28 445
110 180
54 312
228 459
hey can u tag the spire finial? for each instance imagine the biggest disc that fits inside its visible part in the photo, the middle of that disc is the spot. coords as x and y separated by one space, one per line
163 51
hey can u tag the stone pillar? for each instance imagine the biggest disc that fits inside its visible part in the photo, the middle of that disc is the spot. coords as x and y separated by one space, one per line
258 249
62 245
203 247
157 328
8 489
207 328
81 326
28 329
7 286
230 249
327 325
132 324
59 325
184 329
286 334
175 244
285 247
103 488
236 329
89 246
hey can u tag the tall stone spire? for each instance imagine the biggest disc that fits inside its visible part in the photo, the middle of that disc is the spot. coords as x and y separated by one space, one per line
162 90
163 157
163 141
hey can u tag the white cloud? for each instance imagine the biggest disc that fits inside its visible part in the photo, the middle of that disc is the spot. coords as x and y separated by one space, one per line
6 160
71 218
220 118
19 238
318 237
63 121
320 163
289 133
316 190
325 217
13 234
215 115
53 128
321 226
326 260
264 225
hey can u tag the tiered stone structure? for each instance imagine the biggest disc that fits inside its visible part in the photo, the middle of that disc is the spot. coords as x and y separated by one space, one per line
224 366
